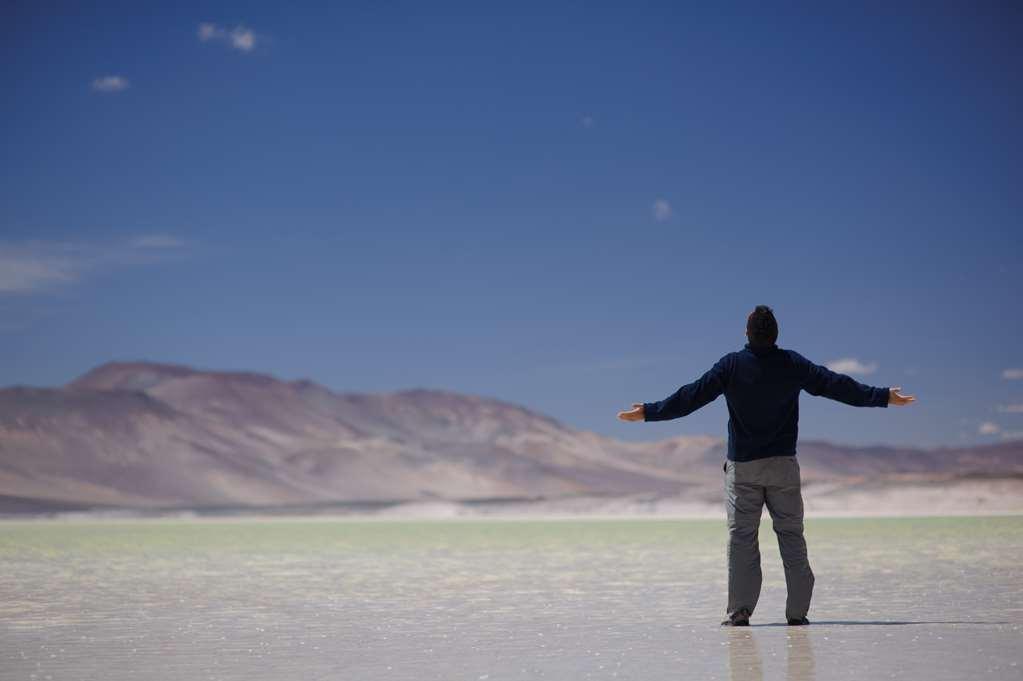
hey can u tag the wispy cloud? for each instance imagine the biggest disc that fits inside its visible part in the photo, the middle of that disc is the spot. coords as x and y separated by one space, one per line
851 365
992 428
661 210
110 84
989 428
1011 408
1012 374
241 38
33 266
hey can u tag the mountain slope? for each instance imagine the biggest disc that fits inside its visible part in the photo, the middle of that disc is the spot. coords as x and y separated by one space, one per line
143 434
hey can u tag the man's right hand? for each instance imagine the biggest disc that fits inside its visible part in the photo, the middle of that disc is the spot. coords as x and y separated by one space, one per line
897 399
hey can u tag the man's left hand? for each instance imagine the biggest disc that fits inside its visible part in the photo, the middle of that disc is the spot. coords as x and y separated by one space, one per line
634 414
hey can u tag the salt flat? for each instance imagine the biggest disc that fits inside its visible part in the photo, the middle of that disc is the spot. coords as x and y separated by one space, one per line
912 598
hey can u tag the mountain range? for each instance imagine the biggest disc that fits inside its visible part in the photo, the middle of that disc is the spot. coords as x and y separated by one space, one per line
147 435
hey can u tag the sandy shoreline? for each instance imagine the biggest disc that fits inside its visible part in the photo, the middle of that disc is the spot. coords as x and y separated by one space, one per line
532 516
981 497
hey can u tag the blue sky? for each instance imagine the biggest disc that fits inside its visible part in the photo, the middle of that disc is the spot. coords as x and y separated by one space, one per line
565 206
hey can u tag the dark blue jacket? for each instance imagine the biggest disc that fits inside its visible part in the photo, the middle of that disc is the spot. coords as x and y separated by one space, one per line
761 386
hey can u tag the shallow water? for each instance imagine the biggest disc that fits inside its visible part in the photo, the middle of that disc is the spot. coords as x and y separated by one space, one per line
927 598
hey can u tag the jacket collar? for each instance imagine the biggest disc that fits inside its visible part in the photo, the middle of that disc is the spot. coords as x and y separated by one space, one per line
761 350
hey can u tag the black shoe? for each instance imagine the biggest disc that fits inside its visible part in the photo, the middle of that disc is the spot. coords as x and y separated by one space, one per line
740 619
735 623
799 622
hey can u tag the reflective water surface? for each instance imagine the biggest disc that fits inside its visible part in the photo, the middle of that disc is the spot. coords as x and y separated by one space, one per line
927 598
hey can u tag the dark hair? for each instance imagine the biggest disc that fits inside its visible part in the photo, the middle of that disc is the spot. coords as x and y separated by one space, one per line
761 326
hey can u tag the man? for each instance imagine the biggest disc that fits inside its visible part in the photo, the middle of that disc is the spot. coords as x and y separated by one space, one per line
761 384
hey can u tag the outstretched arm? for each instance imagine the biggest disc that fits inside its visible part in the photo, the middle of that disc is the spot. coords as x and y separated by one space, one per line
686 399
823 382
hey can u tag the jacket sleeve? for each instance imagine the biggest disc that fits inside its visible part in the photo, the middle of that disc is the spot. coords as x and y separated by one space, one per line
691 397
823 382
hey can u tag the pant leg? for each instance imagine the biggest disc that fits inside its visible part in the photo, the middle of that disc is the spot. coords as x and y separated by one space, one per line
744 502
785 504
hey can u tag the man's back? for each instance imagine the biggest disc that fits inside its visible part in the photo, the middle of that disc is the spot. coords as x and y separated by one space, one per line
761 385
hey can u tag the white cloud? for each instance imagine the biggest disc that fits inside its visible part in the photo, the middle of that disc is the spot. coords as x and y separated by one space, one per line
32 266
28 269
989 428
110 84
851 365
243 39
661 210
208 31
1012 374
240 38
1011 408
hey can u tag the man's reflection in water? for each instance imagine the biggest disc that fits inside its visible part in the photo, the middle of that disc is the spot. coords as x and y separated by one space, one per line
746 664
744 656
800 655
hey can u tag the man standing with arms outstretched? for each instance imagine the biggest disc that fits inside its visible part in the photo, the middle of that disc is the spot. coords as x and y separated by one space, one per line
761 384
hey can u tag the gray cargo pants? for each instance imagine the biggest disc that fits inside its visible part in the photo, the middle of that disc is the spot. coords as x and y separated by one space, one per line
748 486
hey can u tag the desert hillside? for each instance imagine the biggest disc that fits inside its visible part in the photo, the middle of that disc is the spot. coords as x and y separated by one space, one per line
149 435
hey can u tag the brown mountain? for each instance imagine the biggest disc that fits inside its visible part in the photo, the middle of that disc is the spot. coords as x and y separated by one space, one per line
146 435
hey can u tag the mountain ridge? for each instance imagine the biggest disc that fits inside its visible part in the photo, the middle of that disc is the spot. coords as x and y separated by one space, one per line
144 434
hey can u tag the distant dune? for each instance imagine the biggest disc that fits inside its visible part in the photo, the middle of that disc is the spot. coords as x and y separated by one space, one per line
143 436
